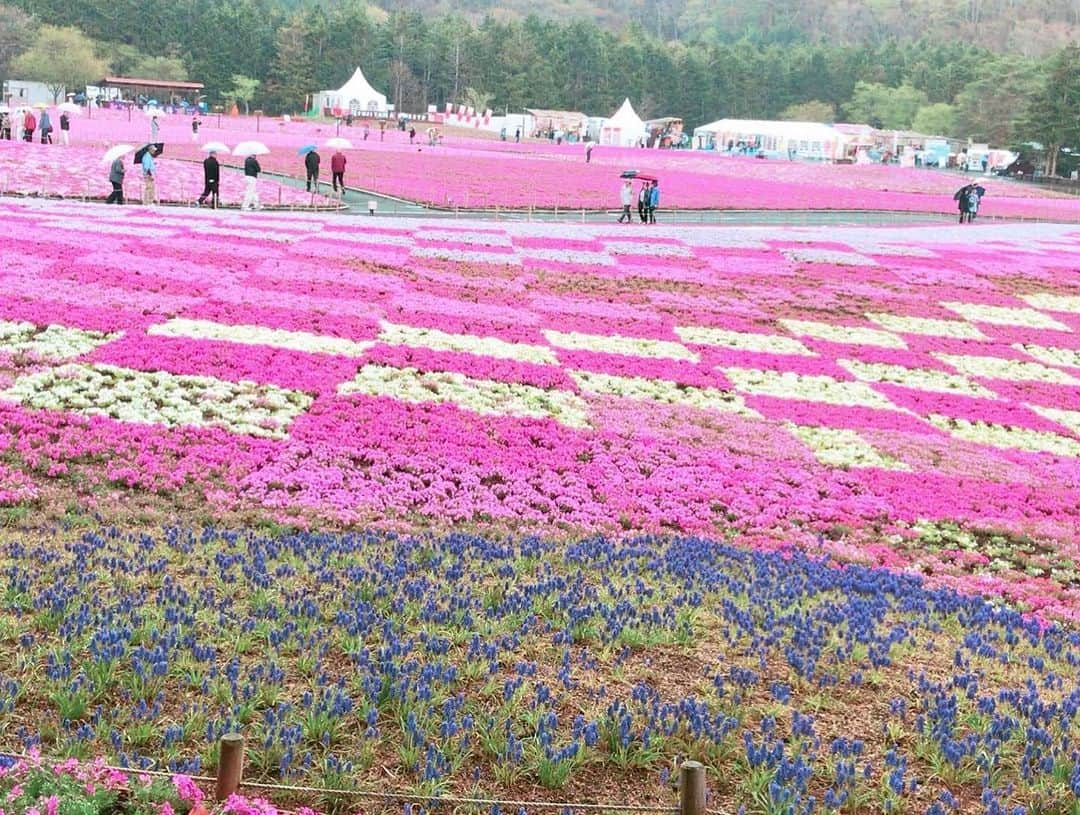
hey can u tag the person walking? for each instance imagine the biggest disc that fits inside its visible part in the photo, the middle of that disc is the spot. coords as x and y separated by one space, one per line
337 170
251 178
211 181
367 131
29 126
654 200
5 125
626 198
149 173
974 198
588 151
154 128
311 164
65 128
412 135
45 126
963 198
382 130
195 125
643 202
116 178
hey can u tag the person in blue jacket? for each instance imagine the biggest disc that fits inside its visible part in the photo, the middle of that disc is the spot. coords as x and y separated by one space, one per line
654 201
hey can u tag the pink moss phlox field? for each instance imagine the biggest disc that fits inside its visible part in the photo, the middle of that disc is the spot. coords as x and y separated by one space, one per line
791 386
471 170
76 171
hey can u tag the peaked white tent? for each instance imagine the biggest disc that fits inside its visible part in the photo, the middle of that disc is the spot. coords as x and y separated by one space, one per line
356 96
624 129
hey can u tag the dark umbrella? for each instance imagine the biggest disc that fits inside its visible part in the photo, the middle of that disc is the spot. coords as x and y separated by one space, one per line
159 148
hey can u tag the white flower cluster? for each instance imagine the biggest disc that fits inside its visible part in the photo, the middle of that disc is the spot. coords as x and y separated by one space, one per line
922 378
649 249
1067 418
617 344
260 335
466 255
742 340
1052 356
927 326
1010 369
1054 302
54 342
663 391
161 398
842 447
485 396
1005 315
844 334
436 340
1017 438
835 257
812 388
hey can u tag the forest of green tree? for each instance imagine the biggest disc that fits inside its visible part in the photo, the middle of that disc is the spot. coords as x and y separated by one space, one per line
893 63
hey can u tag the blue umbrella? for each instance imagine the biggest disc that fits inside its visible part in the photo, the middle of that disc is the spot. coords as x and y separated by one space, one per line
307 148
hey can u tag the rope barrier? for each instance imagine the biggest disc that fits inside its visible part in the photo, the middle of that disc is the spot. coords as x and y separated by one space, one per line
384 796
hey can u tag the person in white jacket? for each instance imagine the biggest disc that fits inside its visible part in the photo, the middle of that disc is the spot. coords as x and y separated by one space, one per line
626 198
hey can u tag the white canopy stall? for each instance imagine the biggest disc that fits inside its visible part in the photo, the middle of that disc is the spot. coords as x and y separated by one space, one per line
356 97
803 139
624 129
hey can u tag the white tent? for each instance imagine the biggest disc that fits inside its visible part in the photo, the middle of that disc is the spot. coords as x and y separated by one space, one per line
805 139
356 96
624 129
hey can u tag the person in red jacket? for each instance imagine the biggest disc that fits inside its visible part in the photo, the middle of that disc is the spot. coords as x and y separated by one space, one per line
337 170
29 125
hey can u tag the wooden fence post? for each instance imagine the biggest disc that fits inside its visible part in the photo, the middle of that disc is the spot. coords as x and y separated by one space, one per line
230 765
691 788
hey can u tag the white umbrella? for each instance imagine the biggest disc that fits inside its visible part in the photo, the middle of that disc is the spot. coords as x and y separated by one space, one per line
5 109
339 143
116 151
215 147
69 107
250 148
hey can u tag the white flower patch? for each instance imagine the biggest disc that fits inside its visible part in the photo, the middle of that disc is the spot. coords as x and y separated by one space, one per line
845 334
250 233
161 398
1054 302
663 391
575 256
470 238
921 378
651 249
435 340
841 447
1005 315
833 256
1007 437
811 388
54 342
1051 356
360 239
618 344
743 341
485 396
260 335
1010 369
128 229
1067 418
927 326
466 255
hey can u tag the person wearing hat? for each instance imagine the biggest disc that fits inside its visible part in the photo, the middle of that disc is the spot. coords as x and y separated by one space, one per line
211 181
116 178
149 174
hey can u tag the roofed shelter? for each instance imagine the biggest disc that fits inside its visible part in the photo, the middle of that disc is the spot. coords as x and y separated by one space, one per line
171 89
356 97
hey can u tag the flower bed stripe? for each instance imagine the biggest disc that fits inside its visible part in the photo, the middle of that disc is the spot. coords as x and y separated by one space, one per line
260 335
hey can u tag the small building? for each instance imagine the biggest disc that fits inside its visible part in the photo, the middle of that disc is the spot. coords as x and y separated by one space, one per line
356 97
811 140
624 128
570 124
19 93
666 131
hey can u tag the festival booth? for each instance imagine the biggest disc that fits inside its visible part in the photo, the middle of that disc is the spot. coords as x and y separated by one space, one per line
356 97
624 129
811 140
554 124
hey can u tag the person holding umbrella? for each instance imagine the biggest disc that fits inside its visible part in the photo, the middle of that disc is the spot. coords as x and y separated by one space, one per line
251 178
149 171
311 164
654 200
337 170
211 181
116 178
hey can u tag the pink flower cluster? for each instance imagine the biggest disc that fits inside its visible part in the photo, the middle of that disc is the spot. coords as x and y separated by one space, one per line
837 389
473 172
76 171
